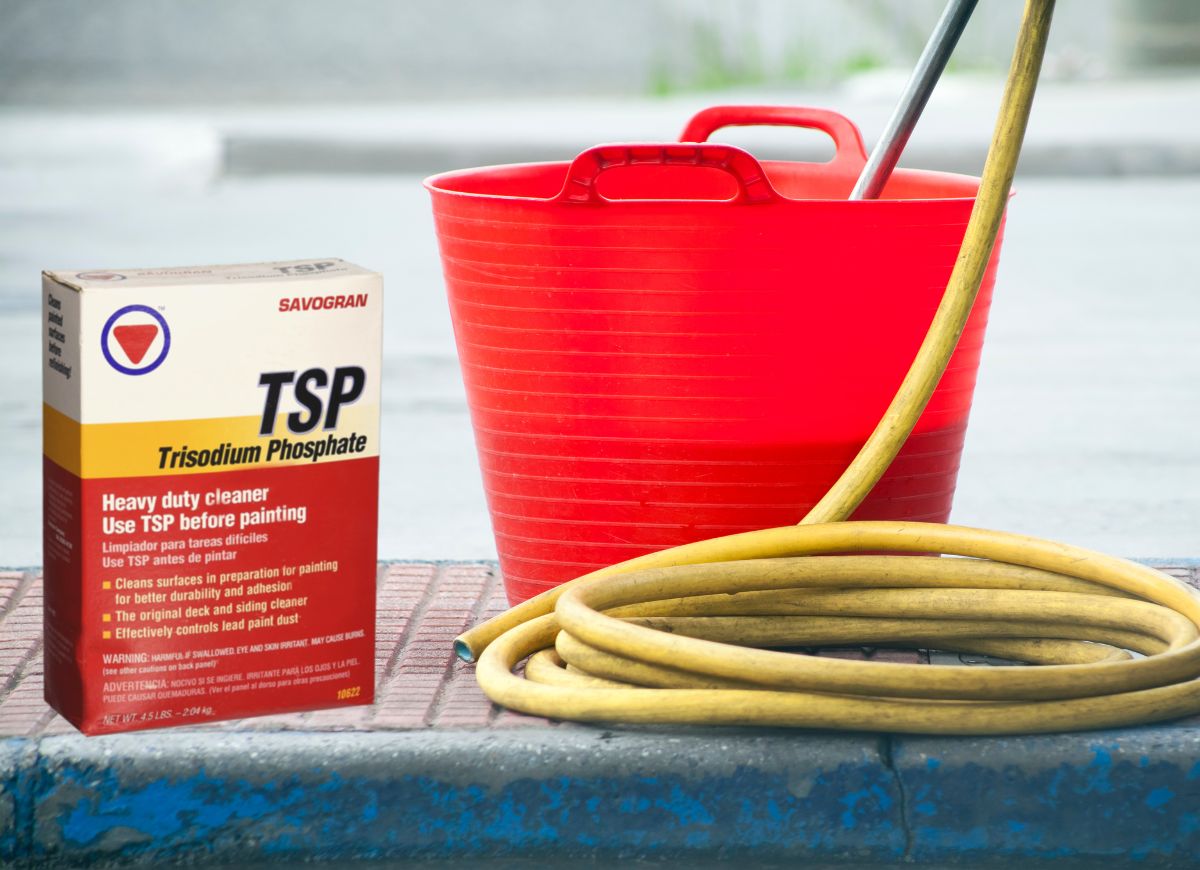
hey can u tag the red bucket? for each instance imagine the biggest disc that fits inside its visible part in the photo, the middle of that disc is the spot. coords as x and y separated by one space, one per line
670 342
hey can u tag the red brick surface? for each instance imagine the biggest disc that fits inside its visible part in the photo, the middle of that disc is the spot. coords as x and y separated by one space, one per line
420 684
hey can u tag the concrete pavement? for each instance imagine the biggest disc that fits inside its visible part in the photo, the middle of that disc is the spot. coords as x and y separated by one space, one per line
1135 126
1078 128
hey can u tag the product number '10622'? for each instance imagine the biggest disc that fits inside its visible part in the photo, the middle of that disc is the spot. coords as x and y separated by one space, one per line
352 692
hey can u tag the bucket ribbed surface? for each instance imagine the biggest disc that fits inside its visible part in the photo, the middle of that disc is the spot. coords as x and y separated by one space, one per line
643 374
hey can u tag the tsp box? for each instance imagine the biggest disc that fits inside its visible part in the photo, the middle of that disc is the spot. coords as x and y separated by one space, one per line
211 478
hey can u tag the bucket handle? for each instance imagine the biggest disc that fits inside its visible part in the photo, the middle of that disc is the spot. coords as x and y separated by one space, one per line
849 153
580 186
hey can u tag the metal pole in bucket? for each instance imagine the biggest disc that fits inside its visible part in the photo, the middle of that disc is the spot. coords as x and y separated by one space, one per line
916 94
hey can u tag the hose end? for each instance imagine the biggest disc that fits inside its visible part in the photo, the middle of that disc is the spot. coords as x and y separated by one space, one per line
463 650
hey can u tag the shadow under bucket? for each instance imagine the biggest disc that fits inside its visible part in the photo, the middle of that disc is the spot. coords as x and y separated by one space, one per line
669 342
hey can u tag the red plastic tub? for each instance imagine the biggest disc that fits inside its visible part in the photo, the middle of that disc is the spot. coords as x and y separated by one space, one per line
668 342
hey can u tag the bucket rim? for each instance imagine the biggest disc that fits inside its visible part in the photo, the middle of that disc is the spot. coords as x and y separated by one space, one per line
434 184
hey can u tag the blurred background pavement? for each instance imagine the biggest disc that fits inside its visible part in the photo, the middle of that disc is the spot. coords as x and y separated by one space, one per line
136 134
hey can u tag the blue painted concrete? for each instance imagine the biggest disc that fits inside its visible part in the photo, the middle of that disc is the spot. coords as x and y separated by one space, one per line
1123 798
18 764
431 796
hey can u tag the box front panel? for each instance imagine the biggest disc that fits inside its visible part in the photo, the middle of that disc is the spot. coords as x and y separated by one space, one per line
226 448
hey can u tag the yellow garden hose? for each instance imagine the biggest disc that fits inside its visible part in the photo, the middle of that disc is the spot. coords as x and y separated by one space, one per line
684 635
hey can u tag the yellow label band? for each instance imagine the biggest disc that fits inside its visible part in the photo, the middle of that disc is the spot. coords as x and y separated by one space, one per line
60 440
102 450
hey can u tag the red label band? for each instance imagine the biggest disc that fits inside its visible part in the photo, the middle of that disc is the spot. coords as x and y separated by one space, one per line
187 598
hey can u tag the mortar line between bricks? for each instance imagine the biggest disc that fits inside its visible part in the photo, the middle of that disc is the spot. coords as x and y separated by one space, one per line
27 580
477 611
18 673
494 581
43 723
415 617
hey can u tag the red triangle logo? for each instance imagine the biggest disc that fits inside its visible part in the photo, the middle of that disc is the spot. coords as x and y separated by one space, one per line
135 339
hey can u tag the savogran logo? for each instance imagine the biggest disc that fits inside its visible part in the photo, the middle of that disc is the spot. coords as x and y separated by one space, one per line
101 276
135 339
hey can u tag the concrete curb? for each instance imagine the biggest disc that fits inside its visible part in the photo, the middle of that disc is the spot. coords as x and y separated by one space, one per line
1135 127
1124 797
588 792
1082 129
1129 796
250 155
18 765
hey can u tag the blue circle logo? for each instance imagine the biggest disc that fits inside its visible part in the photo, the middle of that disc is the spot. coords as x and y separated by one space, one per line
135 340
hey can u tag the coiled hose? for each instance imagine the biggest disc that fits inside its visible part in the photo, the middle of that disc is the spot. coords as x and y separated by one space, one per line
685 635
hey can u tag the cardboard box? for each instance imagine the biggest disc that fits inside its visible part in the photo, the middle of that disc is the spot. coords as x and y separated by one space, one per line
211 480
